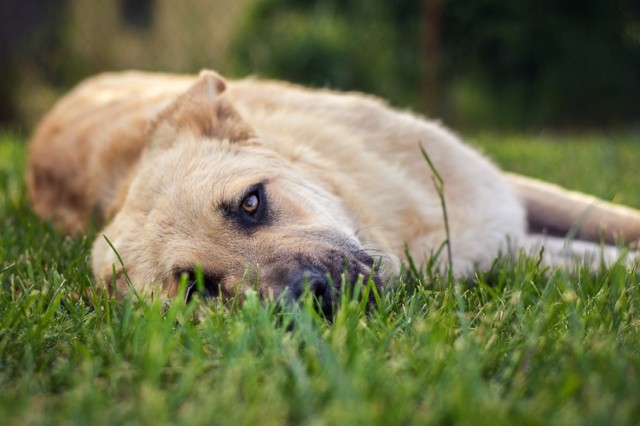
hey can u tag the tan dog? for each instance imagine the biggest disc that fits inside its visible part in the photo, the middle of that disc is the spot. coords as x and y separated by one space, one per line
271 184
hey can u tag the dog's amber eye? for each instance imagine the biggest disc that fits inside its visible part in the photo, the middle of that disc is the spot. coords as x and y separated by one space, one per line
250 204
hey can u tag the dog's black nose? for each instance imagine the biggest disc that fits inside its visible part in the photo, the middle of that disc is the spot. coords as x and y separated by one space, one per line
318 285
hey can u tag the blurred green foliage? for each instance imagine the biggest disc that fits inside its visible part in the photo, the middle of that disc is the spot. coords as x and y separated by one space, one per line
486 64
543 62
501 64
371 46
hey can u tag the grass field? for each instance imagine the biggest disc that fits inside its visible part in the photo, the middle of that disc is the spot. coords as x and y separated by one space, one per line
525 345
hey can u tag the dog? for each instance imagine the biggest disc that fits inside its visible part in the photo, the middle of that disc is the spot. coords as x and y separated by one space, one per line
270 186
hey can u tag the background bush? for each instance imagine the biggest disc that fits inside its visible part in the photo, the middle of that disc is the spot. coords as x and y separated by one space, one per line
496 63
371 46
529 64
544 62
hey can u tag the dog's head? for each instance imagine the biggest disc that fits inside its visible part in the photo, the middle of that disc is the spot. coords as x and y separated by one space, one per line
210 195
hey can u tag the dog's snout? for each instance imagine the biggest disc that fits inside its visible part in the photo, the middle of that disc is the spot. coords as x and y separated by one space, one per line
319 286
317 283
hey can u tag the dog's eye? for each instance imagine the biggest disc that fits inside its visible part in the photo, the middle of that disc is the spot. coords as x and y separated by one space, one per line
249 210
211 286
250 204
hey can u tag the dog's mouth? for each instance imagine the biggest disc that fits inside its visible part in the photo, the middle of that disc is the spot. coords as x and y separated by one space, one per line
324 278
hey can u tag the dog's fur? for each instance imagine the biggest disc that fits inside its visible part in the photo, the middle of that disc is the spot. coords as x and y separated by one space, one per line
168 161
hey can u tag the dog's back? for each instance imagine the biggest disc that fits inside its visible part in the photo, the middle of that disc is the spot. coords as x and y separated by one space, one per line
87 144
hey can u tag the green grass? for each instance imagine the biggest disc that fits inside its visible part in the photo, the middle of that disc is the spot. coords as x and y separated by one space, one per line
524 346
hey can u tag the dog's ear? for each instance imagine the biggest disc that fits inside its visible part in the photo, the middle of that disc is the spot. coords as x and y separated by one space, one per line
201 112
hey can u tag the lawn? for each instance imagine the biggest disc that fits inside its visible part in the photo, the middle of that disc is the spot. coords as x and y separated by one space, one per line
523 345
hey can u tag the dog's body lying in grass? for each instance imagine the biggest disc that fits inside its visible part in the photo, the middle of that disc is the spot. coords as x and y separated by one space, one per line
269 184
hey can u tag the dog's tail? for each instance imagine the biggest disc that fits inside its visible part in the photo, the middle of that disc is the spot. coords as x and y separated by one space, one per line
555 211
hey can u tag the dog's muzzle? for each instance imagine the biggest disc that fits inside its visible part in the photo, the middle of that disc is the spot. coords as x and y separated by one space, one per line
324 280
318 285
